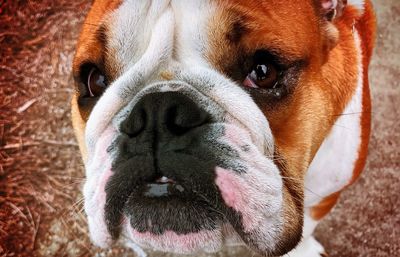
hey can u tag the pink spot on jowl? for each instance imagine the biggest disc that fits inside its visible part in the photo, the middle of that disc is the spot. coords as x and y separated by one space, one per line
236 193
230 189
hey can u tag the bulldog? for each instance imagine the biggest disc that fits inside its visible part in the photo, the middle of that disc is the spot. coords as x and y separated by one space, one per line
203 123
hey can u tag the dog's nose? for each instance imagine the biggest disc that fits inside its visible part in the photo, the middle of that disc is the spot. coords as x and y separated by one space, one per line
170 113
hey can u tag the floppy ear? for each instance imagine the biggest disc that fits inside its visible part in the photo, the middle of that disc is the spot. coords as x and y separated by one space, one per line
330 11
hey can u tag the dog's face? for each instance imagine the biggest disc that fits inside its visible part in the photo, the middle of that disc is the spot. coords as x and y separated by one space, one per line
197 120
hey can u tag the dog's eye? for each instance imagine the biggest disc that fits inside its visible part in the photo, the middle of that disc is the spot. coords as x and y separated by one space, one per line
95 82
264 72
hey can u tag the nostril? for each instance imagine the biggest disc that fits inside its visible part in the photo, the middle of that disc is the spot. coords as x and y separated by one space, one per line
172 113
182 118
135 125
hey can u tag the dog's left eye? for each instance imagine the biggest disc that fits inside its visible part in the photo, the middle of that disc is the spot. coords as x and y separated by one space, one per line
264 72
95 82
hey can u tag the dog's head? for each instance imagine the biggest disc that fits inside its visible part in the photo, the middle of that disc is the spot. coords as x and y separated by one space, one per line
197 120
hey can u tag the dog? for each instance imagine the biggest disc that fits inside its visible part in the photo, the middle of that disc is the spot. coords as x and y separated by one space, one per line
207 122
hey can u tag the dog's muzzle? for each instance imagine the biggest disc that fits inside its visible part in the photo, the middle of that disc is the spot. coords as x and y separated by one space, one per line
164 168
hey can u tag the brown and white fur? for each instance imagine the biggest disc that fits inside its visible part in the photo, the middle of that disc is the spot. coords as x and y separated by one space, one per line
299 150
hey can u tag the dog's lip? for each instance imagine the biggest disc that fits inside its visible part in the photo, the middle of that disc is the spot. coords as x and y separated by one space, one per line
170 241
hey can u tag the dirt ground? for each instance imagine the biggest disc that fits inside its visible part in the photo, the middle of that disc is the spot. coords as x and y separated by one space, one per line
41 173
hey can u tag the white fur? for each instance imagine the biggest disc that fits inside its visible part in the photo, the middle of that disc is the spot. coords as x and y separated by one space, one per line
133 28
333 165
191 31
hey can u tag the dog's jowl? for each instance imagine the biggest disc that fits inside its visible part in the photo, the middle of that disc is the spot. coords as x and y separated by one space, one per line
204 122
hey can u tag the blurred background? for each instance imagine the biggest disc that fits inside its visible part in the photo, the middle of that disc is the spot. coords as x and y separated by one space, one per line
41 173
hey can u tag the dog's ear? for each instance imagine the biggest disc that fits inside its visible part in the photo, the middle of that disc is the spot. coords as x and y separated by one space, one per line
330 12
332 9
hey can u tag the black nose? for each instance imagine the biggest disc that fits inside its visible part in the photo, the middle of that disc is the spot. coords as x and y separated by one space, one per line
170 113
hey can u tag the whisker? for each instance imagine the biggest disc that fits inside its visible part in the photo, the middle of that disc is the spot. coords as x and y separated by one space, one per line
306 188
351 113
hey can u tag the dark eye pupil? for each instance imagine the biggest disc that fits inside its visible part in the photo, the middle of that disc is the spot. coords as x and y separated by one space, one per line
261 72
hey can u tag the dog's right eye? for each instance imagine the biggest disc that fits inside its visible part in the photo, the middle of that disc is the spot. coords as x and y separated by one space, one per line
94 80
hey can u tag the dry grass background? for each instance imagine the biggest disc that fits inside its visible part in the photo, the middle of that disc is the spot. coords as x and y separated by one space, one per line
39 168
41 173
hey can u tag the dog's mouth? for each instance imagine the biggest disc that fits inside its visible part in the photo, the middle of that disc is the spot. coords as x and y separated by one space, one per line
165 204
163 187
